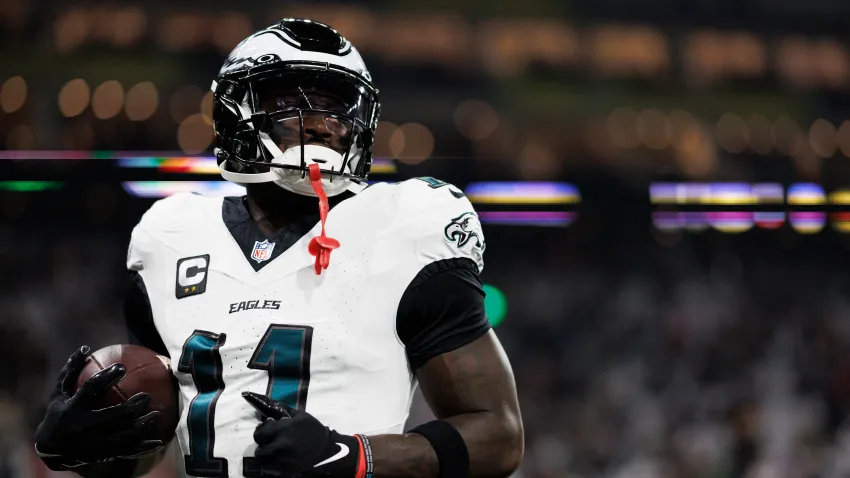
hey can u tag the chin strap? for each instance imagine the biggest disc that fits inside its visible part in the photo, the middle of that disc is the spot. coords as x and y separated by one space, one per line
321 245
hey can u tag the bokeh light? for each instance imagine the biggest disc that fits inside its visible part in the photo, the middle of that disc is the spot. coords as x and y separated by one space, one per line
732 133
416 143
181 31
810 222
495 304
74 97
822 138
843 138
13 94
70 30
834 68
142 101
194 135
207 105
506 59
107 99
794 61
230 28
128 25
695 152
805 194
383 135
396 143
476 119
537 161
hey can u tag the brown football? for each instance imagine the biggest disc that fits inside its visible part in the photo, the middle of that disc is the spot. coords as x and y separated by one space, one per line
147 372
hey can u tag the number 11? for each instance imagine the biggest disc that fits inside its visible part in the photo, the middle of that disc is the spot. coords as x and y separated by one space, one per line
284 352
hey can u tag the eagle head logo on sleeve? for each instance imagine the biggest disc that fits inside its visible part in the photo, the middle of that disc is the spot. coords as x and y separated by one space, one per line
466 229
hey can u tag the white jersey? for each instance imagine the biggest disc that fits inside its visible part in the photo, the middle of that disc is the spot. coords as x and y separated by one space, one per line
324 343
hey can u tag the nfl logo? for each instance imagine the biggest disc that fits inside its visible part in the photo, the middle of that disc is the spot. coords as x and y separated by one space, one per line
262 251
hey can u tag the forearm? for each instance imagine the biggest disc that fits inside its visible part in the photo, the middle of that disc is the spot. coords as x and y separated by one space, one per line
494 444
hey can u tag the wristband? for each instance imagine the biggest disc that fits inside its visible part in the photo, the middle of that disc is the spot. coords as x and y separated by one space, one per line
448 444
365 464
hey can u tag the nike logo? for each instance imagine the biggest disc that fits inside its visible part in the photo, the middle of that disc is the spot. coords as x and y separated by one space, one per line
342 453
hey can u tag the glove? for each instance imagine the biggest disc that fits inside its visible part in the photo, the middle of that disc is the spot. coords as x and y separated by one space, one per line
294 443
76 431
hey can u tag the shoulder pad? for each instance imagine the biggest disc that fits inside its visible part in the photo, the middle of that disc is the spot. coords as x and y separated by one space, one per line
168 212
428 193
173 214
448 226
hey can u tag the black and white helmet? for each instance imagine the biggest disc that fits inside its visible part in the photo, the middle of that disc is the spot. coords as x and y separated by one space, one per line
294 94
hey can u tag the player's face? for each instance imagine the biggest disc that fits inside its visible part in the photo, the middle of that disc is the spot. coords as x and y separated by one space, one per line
322 127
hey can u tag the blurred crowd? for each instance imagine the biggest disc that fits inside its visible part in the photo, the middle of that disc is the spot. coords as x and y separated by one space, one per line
706 356
716 357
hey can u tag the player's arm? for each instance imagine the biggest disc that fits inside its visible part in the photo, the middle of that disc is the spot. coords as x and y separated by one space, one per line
107 443
478 432
138 318
141 330
464 376
471 390
462 370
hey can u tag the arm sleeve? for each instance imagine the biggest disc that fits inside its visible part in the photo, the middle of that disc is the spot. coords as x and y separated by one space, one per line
138 316
441 310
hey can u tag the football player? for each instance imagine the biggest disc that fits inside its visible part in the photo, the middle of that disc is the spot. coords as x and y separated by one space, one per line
300 318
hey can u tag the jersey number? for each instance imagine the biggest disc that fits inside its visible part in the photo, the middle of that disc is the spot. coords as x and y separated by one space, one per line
283 352
436 183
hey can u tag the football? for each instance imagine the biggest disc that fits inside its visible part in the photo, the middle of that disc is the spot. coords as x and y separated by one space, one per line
147 372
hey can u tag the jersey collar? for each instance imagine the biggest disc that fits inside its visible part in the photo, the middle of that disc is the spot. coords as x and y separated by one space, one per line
258 248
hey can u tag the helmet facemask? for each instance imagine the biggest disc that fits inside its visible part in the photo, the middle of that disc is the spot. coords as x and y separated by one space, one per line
271 126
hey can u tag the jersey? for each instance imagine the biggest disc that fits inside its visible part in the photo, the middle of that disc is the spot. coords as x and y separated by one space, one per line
236 310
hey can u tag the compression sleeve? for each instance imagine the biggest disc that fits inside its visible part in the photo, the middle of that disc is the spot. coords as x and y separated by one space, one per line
441 310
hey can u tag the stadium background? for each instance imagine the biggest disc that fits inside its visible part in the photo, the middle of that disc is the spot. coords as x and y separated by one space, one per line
662 186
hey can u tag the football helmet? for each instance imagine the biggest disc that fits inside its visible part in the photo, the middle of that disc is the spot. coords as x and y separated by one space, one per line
294 94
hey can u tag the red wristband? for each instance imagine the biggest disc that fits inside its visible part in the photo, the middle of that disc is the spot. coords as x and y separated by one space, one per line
361 460
364 461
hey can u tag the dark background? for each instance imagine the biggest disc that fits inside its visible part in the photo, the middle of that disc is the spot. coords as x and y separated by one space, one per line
649 338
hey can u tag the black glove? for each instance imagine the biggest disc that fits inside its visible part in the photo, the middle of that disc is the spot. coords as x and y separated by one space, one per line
294 443
74 432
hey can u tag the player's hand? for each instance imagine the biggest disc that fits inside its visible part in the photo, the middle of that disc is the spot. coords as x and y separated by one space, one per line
76 432
292 441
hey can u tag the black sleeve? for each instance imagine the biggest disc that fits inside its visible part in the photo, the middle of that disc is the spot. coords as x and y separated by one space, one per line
441 310
138 316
